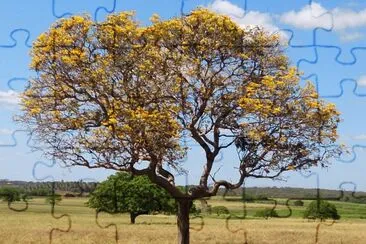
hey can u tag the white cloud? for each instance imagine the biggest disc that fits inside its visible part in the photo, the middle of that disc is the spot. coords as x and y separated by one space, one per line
315 15
342 20
9 98
345 18
362 81
226 7
242 18
309 17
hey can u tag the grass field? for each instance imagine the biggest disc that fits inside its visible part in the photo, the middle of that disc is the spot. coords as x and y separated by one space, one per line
34 225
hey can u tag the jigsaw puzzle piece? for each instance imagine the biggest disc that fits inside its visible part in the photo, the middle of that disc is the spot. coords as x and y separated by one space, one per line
106 225
234 222
304 23
16 144
53 202
317 197
352 195
328 83
349 98
14 59
14 62
351 128
348 211
301 43
58 171
332 28
52 199
49 173
348 34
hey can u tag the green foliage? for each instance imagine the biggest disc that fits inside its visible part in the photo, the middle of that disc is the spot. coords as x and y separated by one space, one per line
12 194
219 210
122 193
266 213
321 210
298 203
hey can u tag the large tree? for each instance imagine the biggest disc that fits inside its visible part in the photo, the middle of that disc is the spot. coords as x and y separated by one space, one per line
122 96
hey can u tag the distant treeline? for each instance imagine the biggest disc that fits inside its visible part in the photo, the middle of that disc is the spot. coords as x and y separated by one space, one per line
266 193
81 188
68 188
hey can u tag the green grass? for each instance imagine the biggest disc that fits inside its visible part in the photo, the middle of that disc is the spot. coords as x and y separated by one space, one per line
76 206
346 210
34 225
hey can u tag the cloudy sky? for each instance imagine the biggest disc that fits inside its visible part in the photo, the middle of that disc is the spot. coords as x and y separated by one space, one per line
325 39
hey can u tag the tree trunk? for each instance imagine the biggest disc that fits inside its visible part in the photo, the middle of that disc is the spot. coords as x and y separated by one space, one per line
133 217
183 220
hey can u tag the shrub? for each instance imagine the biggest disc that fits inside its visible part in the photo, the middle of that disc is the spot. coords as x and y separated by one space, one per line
321 210
219 210
266 213
298 203
69 195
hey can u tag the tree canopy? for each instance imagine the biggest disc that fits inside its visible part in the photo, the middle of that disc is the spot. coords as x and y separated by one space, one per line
321 209
122 96
122 193
12 194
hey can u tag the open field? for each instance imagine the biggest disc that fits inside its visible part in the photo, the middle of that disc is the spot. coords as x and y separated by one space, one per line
35 224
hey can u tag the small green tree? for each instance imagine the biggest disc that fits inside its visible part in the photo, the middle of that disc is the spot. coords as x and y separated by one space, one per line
298 203
266 213
219 210
321 210
12 194
122 193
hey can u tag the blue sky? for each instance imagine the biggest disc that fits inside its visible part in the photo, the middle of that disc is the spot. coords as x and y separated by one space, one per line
326 40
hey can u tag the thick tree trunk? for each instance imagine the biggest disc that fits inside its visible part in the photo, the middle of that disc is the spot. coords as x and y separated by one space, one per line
133 217
183 220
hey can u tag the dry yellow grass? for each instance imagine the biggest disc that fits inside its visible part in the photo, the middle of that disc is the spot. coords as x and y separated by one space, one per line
34 225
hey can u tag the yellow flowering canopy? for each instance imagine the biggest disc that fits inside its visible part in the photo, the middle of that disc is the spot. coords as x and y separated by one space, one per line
117 94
